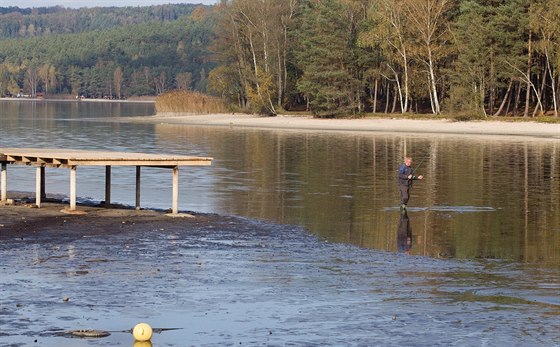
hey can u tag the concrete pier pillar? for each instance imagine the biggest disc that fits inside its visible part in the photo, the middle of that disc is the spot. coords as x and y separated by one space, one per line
4 182
175 206
43 184
138 173
38 188
107 186
73 174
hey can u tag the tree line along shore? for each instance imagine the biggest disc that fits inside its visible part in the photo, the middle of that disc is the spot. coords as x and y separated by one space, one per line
468 58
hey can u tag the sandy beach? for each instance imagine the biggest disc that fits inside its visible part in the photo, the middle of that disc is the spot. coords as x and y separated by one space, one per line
308 123
382 125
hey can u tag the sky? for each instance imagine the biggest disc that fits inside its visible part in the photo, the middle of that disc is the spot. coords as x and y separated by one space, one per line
97 3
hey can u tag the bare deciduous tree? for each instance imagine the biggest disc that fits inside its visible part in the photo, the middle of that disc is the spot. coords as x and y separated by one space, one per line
390 31
428 22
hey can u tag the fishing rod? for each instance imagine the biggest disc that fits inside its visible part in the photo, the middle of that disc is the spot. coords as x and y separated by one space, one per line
419 164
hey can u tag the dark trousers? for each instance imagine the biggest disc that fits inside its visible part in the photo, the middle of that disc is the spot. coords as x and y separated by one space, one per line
405 193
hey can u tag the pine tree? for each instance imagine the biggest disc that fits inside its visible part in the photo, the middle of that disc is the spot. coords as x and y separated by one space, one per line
326 58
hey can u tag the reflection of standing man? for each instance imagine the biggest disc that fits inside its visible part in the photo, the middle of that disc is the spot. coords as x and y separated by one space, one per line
406 177
404 234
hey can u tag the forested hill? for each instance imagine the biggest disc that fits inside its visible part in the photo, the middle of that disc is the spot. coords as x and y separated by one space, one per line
331 57
106 52
18 22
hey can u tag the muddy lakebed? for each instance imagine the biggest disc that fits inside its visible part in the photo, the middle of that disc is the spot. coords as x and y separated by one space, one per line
225 280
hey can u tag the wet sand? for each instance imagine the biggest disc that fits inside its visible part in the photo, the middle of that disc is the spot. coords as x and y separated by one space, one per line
385 125
233 281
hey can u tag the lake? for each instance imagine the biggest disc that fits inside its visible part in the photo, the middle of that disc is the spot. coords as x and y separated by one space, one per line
305 244
482 197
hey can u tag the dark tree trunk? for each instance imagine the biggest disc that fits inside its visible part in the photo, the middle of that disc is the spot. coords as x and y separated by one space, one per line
509 100
375 95
387 97
517 99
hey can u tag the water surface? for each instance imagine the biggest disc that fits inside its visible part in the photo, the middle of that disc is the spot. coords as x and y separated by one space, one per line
474 262
483 197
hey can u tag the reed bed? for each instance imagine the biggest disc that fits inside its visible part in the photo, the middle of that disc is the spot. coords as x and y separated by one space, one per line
181 101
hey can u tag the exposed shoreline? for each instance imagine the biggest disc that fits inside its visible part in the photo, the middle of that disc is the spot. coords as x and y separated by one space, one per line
541 131
22 205
224 280
382 125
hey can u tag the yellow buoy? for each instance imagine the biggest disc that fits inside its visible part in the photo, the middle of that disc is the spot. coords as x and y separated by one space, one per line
142 332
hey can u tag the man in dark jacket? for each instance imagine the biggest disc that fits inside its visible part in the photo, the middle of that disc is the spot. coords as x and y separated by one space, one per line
406 177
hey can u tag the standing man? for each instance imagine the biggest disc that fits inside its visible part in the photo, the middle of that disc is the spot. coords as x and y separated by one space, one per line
406 177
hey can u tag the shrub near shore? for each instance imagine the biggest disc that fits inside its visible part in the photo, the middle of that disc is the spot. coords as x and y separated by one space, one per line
181 101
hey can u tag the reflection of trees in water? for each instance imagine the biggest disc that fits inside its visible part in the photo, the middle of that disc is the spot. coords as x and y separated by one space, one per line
340 186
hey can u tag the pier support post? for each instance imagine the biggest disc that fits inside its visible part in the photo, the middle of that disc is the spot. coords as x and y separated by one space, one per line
138 187
108 186
175 206
43 184
38 186
73 175
4 182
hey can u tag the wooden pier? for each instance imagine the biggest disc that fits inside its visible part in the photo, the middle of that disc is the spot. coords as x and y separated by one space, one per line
42 158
